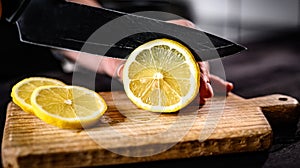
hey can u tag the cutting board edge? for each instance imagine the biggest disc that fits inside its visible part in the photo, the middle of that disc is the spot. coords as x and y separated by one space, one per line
176 152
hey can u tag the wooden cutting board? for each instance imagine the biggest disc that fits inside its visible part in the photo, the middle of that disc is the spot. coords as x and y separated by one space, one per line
126 134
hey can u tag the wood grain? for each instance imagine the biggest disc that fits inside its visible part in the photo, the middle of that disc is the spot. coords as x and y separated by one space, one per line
278 109
126 134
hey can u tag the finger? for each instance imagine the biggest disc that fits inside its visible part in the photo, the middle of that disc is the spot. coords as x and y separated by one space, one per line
220 85
206 90
183 22
93 3
202 101
119 71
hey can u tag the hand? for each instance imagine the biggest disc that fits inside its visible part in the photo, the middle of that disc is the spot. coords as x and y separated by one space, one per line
206 82
207 79
100 64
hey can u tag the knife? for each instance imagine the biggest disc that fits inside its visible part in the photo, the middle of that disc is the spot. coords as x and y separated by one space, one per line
71 26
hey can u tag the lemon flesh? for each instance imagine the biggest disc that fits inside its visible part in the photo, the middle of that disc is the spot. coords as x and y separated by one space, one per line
67 106
21 91
161 76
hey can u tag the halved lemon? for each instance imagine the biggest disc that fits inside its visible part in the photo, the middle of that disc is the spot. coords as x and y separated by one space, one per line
161 76
22 90
67 106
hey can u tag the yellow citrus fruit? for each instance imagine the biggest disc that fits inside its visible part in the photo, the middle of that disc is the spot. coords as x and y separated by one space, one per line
67 106
22 90
161 76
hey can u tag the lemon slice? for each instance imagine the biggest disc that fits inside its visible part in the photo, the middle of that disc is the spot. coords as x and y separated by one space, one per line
161 76
67 106
22 90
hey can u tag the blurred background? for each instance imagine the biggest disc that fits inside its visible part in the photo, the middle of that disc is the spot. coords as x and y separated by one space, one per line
270 29
244 20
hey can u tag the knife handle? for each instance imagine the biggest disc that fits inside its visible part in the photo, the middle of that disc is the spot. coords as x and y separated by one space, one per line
12 9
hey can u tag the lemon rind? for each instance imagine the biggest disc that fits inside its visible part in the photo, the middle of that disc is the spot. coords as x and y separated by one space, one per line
195 77
63 122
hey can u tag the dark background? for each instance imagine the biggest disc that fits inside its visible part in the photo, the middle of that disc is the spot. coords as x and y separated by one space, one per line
270 31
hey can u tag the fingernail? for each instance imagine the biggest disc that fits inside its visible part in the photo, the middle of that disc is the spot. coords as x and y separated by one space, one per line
119 70
209 90
229 86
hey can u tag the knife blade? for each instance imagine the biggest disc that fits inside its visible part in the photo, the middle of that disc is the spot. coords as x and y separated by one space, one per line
65 25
